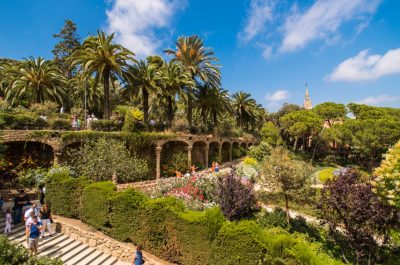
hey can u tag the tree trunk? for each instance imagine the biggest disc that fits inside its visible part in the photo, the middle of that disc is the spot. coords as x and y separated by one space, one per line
215 119
190 110
295 143
204 118
170 111
145 106
287 209
106 85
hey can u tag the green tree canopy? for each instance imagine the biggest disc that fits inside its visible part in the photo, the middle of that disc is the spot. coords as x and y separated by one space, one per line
331 112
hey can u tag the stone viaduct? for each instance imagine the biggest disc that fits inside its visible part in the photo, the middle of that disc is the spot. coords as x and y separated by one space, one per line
198 147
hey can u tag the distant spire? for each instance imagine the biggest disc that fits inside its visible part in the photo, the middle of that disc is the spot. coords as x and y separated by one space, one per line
307 100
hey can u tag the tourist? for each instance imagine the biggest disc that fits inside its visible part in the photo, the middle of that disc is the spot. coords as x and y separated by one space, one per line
1 203
216 169
78 123
94 117
33 232
41 194
193 169
213 167
7 229
138 259
74 123
28 222
88 122
45 216
62 109
19 202
33 209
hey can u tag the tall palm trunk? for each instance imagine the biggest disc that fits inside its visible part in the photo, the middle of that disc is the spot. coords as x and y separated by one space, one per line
145 106
215 119
170 110
106 84
190 110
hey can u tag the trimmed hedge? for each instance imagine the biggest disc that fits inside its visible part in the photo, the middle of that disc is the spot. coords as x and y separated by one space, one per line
106 125
165 228
95 203
21 122
60 124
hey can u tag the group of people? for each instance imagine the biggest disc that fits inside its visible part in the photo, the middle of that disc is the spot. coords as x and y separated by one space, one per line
37 219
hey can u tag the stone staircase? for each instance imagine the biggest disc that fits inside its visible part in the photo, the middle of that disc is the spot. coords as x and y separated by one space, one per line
70 251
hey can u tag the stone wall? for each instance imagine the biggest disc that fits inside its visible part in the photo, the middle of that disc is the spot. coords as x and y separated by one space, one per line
79 231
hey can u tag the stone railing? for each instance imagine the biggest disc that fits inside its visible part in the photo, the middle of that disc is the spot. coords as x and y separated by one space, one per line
81 232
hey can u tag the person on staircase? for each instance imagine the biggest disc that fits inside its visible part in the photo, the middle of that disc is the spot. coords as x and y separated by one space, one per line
45 216
7 228
138 259
33 232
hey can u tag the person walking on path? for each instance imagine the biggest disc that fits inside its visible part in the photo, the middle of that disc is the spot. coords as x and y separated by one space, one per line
216 168
41 194
138 259
33 209
45 216
7 229
19 202
33 232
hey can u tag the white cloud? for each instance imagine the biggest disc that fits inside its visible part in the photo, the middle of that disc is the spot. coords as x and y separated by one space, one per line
323 20
260 12
377 100
267 53
290 27
278 95
134 22
364 67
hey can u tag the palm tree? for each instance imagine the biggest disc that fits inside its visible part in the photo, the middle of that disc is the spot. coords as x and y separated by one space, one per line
100 57
37 80
144 78
198 61
94 92
243 106
175 79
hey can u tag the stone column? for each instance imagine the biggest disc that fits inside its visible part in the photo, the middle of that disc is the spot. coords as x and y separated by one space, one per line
220 152
206 155
189 149
57 158
230 152
158 161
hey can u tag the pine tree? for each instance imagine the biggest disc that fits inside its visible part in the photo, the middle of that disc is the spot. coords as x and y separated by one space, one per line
69 41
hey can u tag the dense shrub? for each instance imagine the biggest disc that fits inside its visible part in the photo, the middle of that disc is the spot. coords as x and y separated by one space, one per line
236 197
21 122
95 203
260 151
13 254
133 120
106 125
326 174
45 108
64 194
60 124
166 229
103 159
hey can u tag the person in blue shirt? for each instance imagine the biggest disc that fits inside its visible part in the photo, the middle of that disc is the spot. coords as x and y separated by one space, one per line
33 230
138 260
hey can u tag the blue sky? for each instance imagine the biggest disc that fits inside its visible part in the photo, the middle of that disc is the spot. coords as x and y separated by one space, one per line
347 51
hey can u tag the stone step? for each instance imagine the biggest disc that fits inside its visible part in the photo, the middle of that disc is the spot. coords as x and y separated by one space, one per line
71 254
56 248
80 256
70 251
67 249
89 259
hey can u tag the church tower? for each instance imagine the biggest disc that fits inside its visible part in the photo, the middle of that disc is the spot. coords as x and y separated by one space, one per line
307 100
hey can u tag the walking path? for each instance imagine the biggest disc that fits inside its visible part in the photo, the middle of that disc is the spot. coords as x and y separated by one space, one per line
70 251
